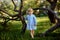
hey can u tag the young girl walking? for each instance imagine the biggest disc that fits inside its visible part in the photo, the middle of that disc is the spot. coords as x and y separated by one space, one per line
31 21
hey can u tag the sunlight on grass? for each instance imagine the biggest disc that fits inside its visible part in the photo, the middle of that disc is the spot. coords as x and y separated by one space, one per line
43 24
42 19
14 25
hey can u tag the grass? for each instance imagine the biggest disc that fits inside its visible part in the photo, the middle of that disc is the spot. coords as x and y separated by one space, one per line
43 24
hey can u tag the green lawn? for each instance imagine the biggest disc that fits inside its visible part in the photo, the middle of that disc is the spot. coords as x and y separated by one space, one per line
13 33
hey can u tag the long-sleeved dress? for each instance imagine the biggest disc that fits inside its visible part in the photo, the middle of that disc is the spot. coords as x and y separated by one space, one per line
31 22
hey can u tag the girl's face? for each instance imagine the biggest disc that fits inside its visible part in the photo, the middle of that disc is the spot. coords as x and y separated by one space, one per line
30 11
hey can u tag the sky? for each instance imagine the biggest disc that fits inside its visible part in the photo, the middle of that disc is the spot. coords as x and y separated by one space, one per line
8 0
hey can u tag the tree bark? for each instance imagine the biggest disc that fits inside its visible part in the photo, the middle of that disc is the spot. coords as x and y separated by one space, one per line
52 29
19 15
52 7
22 18
52 15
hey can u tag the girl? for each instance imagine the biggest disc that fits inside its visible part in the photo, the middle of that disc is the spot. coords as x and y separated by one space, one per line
31 21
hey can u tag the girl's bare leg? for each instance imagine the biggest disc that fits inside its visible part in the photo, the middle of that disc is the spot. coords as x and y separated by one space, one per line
32 33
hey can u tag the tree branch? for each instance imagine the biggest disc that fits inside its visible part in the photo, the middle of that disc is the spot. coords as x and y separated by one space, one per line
49 1
52 12
54 1
10 18
15 6
2 10
52 29
20 12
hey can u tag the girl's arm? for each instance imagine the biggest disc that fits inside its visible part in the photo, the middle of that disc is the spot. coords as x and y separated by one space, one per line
35 22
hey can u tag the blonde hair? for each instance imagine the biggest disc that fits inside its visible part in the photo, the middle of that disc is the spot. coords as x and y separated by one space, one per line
29 10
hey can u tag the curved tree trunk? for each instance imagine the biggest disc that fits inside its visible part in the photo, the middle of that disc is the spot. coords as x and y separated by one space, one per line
52 29
52 7
22 18
52 18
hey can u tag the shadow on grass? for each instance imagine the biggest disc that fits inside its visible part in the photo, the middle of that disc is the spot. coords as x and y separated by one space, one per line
16 35
14 32
48 35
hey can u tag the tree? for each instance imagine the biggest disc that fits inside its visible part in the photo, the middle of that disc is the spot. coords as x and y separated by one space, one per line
52 16
19 15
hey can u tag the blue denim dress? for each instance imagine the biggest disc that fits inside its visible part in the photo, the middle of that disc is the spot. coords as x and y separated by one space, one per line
31 22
